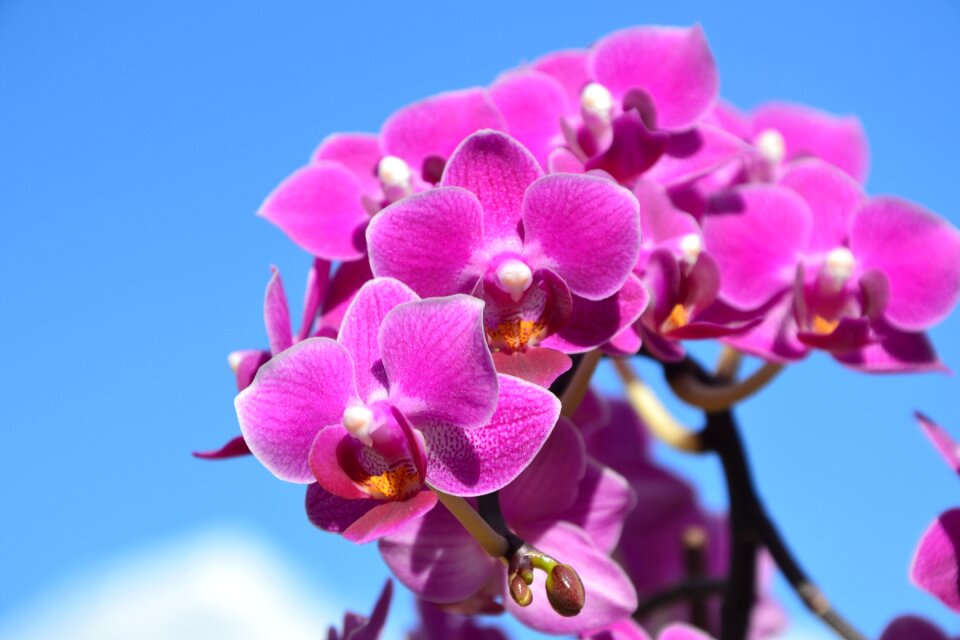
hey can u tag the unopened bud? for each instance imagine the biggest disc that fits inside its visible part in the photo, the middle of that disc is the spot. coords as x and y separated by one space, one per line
565 590
520 592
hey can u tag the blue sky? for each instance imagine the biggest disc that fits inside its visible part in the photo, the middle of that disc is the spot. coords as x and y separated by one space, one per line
137 140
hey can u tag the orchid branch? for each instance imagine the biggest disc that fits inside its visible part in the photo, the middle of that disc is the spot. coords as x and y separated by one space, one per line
728 364
495 544
720 398
576 389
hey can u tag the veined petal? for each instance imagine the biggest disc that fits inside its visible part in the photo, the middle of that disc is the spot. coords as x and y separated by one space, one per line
497 169
292 397
360 332
276 314
318 283
571 69
673 65
331 512
757 235
437 362
941 440
538 365
595 322
936 565
344 285
832 196
435 126
358 152
319 207
917 251
388 517
584 228
603 501
437 559
532 104
428 241
477 461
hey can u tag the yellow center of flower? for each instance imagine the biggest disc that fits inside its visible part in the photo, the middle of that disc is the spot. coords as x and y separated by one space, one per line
823 326
515 334
397 483
678 317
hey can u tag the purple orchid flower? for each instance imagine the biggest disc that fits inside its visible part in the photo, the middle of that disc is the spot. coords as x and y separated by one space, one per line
406 395
936 563
629 630
580 524
357 627
437 624
620 107
914 628
325 301
682 278
325 206
783 133
830 269
550 255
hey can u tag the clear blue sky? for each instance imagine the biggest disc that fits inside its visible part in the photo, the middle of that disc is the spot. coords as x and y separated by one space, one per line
137 140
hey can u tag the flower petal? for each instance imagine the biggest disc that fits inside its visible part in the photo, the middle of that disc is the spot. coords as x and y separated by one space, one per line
245 365
276 314
660 221
584 228
360 332
319 207
437 559
435 126
371 629
672 64
571 69
318 283
532 104
633 149
428 240
537 365
912 628
476 461
346 281
917 251
609 594
832 196
773 339
325 463
293 396
895 352
388 517
757 234
331 512
683 632
840 140
936 565
437 362
695 153
941 440
236 447
358 152
497 169
603 501
626 629
556 471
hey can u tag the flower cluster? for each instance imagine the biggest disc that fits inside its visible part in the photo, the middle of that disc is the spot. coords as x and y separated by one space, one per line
475 259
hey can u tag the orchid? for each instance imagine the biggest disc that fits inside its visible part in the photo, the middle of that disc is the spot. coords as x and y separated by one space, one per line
357 627
551 256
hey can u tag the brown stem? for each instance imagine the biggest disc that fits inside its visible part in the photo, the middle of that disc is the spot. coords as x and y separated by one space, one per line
713 397
575 391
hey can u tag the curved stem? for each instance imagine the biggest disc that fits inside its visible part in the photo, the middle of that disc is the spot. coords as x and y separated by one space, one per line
492 542
658 419
685 590
728 364
720 398
573 395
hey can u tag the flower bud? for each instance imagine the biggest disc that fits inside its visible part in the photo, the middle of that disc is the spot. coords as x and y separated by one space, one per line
520 592
565 590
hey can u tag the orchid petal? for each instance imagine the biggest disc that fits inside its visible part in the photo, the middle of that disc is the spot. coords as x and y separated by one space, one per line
358 152
498 170
344 285
235 448
694 153
332 513
912 628
319 207
276 314
683 632
371 629
537 365
245 365
660 221
832 196
895 352
673 65
584 228
325 463
532 104
388 517
571 69
603 501
941 440
773 339
428 240
478 461
594 322
318 283
437 362
936 565
295 394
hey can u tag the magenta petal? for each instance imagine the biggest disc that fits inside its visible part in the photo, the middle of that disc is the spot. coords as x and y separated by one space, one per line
674 65
537 365
850 334
609 594
370 630
437 362
660 221
832 196
633 149
941 440
840 141
245 365
730 119
603 501
388 517
773 339
477 461
694 153
912 628
683 632
360 332
358 152
571 69
435 126
562 160
276 314
331 512
498 170
595 322
437 559
293 396
757 234
555 472
895 352
936 565
325 464
319 207
428 241
532 104
917 251
235 448
344 284
626 629
584 228
318 283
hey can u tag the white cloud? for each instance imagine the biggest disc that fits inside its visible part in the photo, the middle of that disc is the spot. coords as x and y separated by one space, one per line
216 584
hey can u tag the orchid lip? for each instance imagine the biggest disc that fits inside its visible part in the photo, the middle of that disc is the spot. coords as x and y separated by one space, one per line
771 145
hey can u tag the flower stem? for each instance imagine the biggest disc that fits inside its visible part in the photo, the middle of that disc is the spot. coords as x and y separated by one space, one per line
492 542
720 398
573 395
728 364
656 416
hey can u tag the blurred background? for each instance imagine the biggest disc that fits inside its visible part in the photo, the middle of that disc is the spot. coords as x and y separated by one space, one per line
138 139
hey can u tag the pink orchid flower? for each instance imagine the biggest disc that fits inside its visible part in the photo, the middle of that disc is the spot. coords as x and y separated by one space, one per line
357 627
